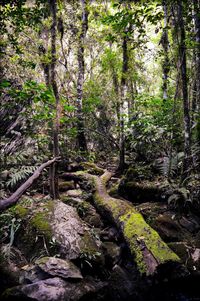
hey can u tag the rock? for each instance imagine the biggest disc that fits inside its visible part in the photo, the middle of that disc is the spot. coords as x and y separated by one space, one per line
31 274
74 193
196 255
189 254
89 214
66 185
112 253
11 260
59 267
71 233
182 249
151 210
137 192
189 224
168 227
109 234
52 289
92 168
71 201
121 285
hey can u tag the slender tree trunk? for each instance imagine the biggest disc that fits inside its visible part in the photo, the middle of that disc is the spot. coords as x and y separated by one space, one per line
81 70
196 4
115 81
56 124
165 44
122 102
186 109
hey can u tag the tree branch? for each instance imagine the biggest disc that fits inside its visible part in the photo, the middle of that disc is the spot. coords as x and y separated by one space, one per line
5 203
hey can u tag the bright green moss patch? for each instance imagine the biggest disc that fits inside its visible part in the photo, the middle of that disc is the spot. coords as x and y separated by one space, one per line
41 220
41 223
139 235
20 211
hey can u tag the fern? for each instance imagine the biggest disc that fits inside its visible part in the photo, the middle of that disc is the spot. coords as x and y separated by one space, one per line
19 175
196 155
170 166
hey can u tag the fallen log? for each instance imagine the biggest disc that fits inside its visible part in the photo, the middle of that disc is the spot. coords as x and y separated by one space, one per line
10 201
145 244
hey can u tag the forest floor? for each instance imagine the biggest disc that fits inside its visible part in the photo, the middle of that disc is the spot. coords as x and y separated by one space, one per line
69 249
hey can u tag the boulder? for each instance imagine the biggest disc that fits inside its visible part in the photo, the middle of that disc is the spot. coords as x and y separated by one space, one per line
52 289
74 193
65 185
59 267
112 253
71 233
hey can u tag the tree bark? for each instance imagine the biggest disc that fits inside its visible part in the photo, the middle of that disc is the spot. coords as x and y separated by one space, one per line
147 248
56 124
196 5
186 109
122 102
165 44
6 203
82 144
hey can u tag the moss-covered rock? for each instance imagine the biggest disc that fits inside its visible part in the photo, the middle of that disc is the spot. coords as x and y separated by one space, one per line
92 168
58 267
138 192
65 185
71 233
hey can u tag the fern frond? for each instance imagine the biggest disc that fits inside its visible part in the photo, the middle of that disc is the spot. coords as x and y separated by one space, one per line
19 175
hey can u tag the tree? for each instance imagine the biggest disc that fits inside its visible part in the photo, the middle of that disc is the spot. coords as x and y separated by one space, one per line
165 44
82 145
196 5
56 124
186 108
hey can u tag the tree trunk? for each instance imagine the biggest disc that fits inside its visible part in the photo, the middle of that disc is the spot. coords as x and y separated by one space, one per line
165 44
82 145
122 102
196 4
56 124
186 109
147 248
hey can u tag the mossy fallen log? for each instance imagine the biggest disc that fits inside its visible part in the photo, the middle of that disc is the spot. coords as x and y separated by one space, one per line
148 249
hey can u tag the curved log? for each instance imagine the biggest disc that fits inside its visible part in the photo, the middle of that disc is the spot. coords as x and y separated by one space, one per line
6 203
145 244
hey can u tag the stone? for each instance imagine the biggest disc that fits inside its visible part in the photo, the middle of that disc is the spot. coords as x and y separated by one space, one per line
66 185
121 285
189 224
112 252
74 193
31 274
168 227
71 233
52 289
59 267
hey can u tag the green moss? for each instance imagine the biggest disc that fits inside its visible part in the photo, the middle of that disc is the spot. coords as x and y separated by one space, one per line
88 244
114 190
139 234
40 220
92 168
20 211
42 260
